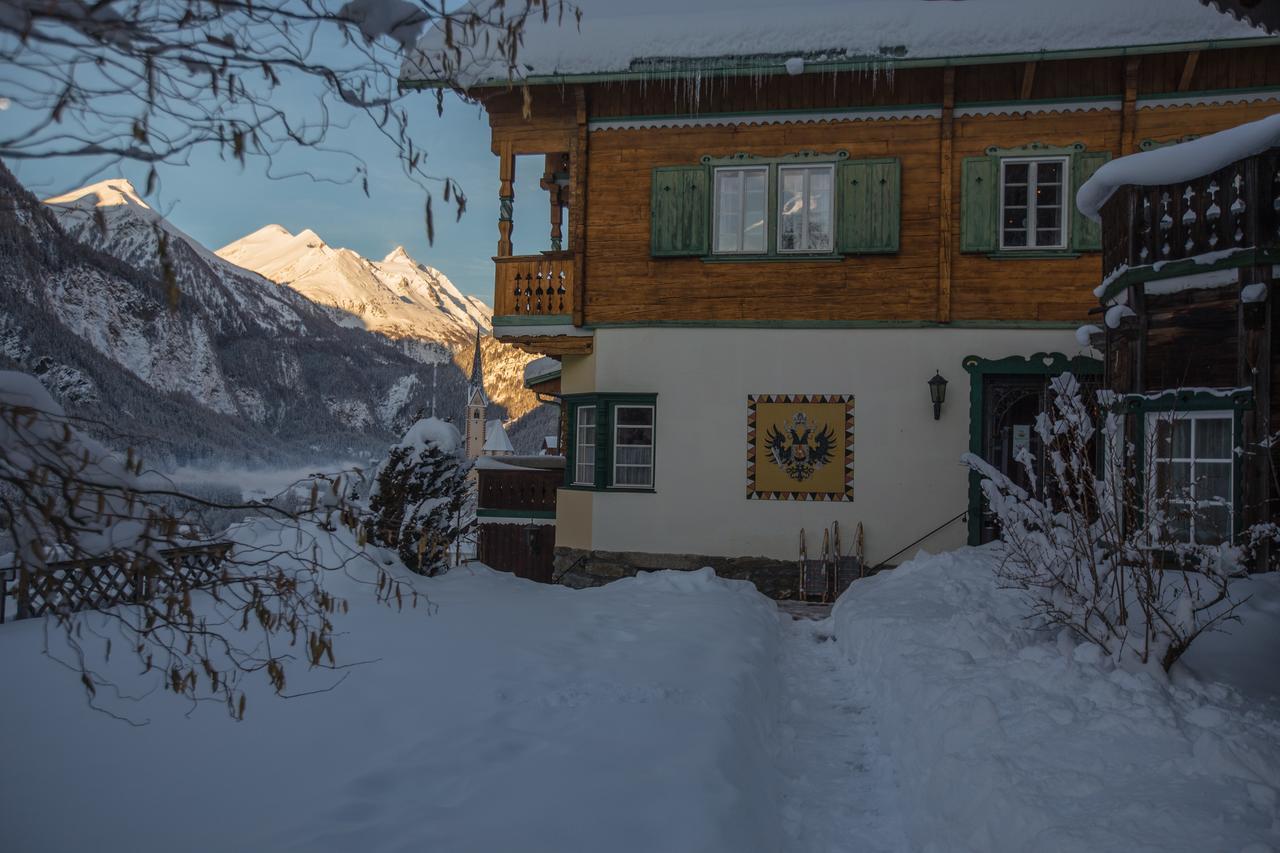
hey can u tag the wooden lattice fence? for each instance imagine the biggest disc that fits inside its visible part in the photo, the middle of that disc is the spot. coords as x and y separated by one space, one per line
74 585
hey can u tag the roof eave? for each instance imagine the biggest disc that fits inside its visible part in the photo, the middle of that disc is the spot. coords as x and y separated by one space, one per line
818 67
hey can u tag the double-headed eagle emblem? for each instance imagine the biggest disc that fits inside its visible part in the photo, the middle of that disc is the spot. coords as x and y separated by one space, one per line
799 448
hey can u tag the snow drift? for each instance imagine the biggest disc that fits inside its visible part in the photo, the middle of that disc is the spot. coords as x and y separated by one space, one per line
1005 739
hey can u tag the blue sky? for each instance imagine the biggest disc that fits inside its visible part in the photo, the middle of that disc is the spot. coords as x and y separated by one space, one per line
217 201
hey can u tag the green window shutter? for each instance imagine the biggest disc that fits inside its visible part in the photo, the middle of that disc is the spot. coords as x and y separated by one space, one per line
979 204
1086 235
681 199
870 205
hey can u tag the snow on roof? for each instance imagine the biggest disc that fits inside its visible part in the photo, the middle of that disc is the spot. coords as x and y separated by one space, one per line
616 36
539 368
1180 162
496 439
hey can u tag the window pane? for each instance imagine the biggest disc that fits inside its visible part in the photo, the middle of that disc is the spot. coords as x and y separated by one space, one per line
820 210
1213 525
754 205
1173 437
728 210
1213 481
1173 480
791 208
634 455
1213 438
585 452
635 435
1015 196
635 416
1048 173
1015 173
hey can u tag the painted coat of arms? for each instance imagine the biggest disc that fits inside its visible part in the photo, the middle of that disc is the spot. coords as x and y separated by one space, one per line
800 447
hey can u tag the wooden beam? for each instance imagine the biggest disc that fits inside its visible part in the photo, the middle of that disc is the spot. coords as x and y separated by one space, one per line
1129 108
1188 69
1028 79
946 131
578 207
506 196
557 345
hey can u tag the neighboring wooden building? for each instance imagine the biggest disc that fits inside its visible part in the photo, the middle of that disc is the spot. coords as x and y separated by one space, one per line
1190 345
516 514
769 254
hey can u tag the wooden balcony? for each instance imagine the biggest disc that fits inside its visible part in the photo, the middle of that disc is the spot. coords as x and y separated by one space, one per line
534 286
1227 218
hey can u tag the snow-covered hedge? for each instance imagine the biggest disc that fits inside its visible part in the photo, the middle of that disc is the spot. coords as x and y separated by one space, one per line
1007 740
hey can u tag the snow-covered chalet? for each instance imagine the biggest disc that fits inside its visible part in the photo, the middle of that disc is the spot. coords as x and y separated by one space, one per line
800 257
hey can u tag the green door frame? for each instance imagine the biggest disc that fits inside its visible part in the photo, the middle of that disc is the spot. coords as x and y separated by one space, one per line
978 368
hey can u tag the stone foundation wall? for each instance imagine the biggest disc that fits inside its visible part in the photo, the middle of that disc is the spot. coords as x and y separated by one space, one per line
578 568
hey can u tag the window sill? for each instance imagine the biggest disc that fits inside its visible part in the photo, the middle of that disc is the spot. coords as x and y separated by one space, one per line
1033 254
738 259
642 490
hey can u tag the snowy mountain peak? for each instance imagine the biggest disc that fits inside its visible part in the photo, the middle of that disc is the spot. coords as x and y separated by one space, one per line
109 193
398 255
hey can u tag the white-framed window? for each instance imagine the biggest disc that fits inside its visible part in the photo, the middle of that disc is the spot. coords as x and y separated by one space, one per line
806 208
633 446
1033 203
1192 474
741 210
584 453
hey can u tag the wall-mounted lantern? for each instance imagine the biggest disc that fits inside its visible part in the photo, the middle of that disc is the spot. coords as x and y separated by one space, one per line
937 393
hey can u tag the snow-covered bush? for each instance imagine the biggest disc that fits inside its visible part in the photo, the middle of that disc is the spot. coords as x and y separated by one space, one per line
1096 551
418 497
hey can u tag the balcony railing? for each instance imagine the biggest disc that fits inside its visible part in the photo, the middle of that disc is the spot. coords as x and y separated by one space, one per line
1216 215
534 285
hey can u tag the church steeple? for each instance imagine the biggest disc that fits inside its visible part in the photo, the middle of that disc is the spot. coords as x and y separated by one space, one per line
477 370
477 405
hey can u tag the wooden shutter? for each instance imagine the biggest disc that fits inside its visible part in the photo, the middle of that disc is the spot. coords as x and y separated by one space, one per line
979 204
1086 235
870 205
681 199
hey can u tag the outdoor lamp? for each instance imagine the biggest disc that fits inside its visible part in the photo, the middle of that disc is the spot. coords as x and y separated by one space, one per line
937 393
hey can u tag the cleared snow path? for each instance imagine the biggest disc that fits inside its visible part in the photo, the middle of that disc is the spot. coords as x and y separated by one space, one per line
839 793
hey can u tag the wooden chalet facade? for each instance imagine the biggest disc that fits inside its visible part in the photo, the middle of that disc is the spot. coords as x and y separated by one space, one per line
755 265
1189 339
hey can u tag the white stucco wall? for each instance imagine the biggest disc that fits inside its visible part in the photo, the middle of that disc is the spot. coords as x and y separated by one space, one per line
907 475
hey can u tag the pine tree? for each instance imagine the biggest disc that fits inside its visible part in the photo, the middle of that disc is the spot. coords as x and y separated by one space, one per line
418 497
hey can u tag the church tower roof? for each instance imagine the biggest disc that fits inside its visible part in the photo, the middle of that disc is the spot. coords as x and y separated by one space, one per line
477 369
475 385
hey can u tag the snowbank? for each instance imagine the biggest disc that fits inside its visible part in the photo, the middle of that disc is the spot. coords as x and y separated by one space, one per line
1006 739
1180 162
505 716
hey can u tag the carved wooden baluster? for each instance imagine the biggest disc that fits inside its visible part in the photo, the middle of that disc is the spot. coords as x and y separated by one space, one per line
1189 220
1238 208
1166 223
1148 227
1213 214
538 292
560 292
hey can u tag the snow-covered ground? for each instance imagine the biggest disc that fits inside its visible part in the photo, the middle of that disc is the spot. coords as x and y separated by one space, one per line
509 716
670 712
1004 739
